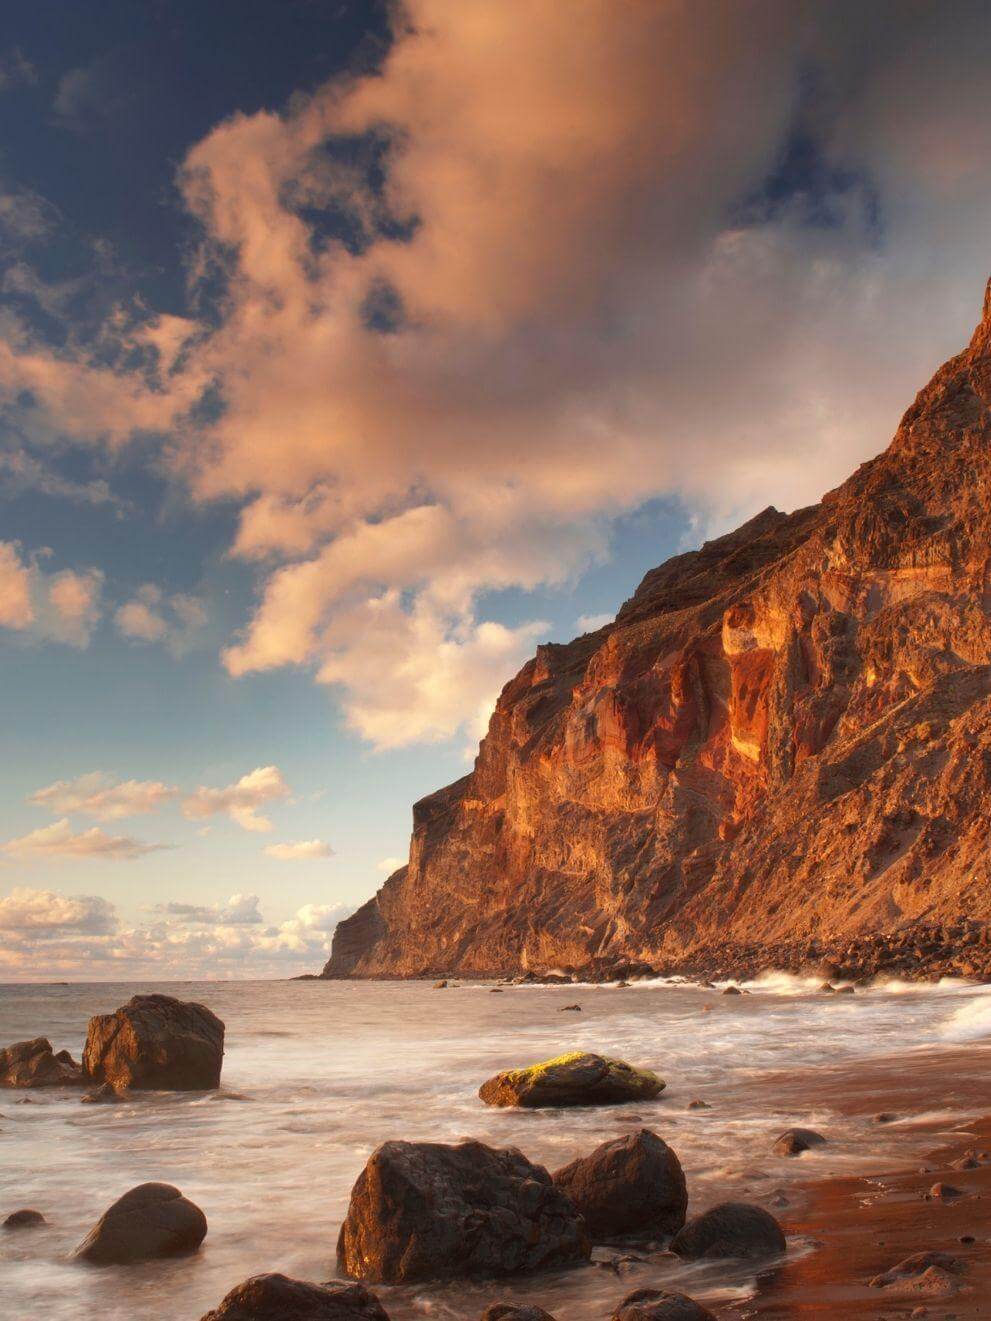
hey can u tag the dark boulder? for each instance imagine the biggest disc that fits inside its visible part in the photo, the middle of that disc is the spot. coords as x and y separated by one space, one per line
797 1140
278 1298
35 1064
655 1305
158 1043
731 1229
576 1079
24 1220
427 1210
152 1220
632 1185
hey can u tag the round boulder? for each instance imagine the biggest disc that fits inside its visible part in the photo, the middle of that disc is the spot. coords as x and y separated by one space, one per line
152 1220
35 1064
655 1305
156 1043
797 1140
632 1185
431 1211
579 1078
24 1220
731 1229
278 1298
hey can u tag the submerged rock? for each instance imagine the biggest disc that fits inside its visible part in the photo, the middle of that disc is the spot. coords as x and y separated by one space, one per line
24 1220
105 1094
578 1078
510 1312
656 1305
428 1210
156 1042
632 1185
731 1229
916 1266
278 1298
152 1220
35 1064
797 1140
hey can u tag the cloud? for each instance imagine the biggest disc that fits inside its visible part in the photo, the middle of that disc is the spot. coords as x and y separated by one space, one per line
60 607
16 70
16 610
589 262
151 616
99 796
23 472
46 935
300 850
59 841
241 800
590 623
239 910
43 912
389 865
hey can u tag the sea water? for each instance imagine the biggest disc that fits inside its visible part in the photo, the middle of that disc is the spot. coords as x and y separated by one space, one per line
317 1074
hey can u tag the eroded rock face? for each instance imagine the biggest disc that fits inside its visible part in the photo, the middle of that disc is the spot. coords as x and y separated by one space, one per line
278 1298
35 1064
655 1305
156 1042
633 1185
731 1229
579 1078
152 1220
797 715
429 1211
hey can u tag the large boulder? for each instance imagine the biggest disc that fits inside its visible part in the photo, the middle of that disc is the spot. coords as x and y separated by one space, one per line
278 1298
158 1043
731 1229
576 1079
35 1064
426 1211
656 1305
152 1220
632 1185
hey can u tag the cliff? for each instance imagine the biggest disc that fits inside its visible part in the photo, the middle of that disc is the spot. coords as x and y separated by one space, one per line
783 736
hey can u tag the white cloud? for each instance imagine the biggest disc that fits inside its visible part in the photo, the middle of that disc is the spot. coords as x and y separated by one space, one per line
59 607
152 616
60 841
16 610
99 796
389 865
591 623
241 800
43 912
300 850
81 937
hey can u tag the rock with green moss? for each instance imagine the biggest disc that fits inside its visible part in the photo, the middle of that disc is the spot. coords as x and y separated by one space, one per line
579 1078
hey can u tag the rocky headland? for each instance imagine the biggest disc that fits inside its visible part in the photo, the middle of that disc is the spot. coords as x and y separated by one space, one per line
778 754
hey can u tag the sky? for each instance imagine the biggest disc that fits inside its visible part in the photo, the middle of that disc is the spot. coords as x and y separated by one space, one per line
350 350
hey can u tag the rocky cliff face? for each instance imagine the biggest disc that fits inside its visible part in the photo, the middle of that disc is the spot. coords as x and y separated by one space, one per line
783 735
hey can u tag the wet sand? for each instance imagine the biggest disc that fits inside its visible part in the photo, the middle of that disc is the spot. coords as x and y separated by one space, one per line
859 1226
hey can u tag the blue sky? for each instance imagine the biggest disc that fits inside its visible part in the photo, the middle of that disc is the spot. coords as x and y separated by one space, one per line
347 352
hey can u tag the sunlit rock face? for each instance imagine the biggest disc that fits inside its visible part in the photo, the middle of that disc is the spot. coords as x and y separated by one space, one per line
784 734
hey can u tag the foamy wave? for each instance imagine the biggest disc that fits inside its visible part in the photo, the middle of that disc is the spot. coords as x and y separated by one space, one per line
971 1022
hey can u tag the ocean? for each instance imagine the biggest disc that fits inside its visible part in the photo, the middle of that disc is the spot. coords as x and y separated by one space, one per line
317 1074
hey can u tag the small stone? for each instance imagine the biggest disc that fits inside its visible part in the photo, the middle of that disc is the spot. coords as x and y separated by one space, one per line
884 1117
440 986
570 1009
732 990
699 1105
945 1191
797 1140
24 1220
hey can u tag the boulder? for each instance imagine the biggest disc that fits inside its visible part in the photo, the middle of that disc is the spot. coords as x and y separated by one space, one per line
278 1298
632 1185
158 1043
35 1064
656 1305
797 1140
912 1268
576 1079
24 1220
152 1220
510 1312
428 1210
731 1229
